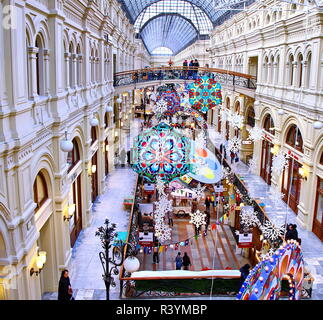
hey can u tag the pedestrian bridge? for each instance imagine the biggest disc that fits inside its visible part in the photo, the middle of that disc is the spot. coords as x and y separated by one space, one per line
242 83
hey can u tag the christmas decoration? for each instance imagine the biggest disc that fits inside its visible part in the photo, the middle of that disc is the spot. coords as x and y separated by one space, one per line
271 232
255 134
161 151
236 120
162 232
205 93
160 107
234 144
280 162
248 217
160 186
198 218
199 192
252 165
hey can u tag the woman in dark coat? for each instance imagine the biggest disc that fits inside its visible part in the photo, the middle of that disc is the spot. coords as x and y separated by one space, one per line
186 261
65 291
291 233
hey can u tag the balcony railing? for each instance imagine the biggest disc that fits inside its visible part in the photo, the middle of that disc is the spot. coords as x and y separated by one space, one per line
224 77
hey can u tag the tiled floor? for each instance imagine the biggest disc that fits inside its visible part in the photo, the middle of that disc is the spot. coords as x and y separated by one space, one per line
311 245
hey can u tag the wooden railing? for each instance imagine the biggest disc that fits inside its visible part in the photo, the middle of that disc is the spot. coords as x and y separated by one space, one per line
225 77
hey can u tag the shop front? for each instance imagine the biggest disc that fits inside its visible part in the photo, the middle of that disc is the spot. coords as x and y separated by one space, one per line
266 161
318 211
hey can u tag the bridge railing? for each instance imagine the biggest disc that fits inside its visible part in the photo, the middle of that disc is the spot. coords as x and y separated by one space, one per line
225 77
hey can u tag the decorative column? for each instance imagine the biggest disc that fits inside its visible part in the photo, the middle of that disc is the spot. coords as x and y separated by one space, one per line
67 56
80 70
74 70
32 58
294 66
46 72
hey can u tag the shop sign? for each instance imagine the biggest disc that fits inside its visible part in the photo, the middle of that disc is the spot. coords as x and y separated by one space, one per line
247 142
149 188
220 189
146 238
245 240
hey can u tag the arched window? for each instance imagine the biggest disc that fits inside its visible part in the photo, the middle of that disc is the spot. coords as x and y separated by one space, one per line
79 65
299 70
92 65
237 107
73 157
266 63
308 70
40 66
269 124
268 19
271 69
106 120
93 134
294 138
277 69
321 160
251 117
228 103
40 191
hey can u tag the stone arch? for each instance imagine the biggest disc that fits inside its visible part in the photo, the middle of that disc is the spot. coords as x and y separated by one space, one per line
288 123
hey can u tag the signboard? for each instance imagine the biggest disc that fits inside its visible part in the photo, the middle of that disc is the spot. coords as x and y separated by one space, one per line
245 240
220 189
149 188
247 142
146 238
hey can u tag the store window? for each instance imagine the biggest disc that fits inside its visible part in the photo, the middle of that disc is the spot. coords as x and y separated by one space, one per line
251 117
73 157
40 191
269 125
106 120
294 138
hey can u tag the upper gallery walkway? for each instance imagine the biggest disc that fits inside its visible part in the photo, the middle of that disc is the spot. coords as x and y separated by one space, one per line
242 83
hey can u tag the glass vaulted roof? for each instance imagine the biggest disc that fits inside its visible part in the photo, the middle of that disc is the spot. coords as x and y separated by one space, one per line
177 23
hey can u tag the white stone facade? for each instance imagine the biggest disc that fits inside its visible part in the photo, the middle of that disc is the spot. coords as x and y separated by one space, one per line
283 47
56 69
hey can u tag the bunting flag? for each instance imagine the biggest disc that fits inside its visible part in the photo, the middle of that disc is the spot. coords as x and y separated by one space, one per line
161 249
213 226
176 246
196 237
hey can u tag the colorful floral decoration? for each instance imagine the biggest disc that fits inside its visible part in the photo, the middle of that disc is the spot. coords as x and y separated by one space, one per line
264 281
205 93
171 98
161 151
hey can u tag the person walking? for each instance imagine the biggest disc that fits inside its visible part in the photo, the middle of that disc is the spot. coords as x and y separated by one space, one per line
196 68
186 261
232 156
65 291
179 261
190 69
170 218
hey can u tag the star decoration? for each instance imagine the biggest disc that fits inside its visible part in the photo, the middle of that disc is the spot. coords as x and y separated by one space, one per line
198 219
255 134
280 162
234 144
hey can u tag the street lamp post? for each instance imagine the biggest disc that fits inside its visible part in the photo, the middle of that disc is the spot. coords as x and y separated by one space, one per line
107 236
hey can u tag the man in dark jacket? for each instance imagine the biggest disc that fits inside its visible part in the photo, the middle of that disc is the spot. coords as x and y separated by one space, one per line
291 233
186 261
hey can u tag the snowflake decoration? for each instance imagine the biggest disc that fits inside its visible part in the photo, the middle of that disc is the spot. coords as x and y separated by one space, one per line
198 218
199 192
225 172
252 165
224 114
280 162
160 107
234 144
163 205
200 141
271 232
160 186
255 134
276 196
248 217
236 120
163 233
219 137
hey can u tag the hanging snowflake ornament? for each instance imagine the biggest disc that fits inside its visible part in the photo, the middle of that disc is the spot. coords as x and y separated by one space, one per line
276 196
248 217
199 192
234 144
271 232
224 114
163 232
236 120
200 141
252 165
280 162
160 186
198 219
160 107
163 205
226 172
255 134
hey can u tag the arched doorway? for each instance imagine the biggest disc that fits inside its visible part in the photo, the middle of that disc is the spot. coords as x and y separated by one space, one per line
318 209
75 193
267 145
292 180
